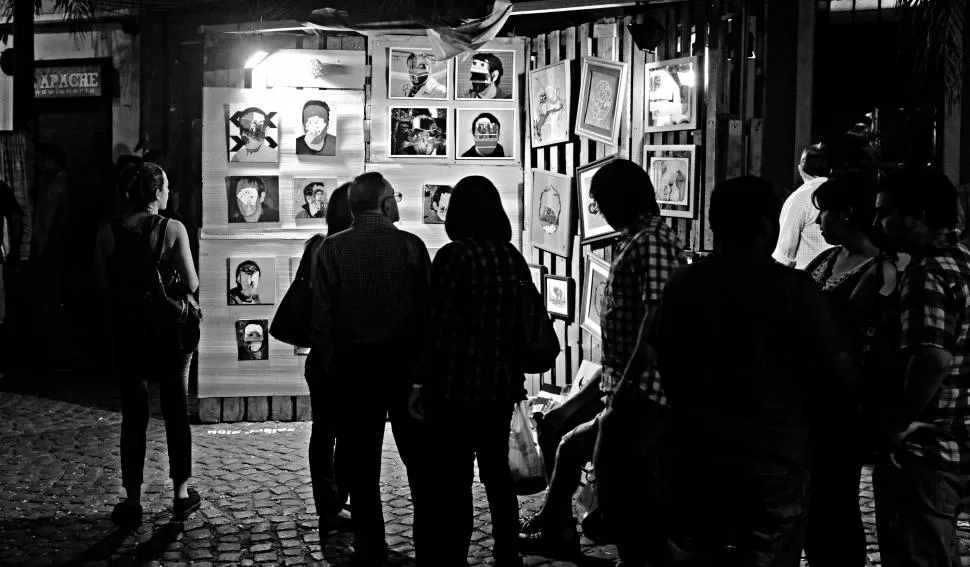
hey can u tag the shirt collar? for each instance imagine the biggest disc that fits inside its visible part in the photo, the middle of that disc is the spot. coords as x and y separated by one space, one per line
642 222
372 220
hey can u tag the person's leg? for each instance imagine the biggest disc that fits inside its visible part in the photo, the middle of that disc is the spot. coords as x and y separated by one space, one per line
134 426
575 450
408 438
173 391
835 535
554 425
772 520
449 515
492 449
321 450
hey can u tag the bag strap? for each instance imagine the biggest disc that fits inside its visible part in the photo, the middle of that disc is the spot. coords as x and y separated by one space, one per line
161 237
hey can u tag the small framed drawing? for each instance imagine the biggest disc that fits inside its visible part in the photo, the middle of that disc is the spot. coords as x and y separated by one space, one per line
559 296
252 281
311 196
485 75
601 89
319 126
436 199
551 220
418 132
485 133
671 170
253 198
416 74
252 134
252 339
550 100
592 226
537 272
672 94
596 274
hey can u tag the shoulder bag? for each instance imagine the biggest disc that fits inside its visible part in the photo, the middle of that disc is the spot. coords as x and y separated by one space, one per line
187 324
292 323
538 345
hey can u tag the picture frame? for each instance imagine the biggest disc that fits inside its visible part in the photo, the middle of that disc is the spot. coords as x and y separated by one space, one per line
559 296
672 94
252 199
551 219
415 131
435 201
400 85
252 134
250 280
550 104
592 226
477 129
311 197
252 339
538 271
673 174
481 63
603 82
315 138
596 273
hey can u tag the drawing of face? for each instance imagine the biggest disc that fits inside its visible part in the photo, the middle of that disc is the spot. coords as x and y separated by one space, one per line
441 207
486 133
253 337
248 282
252 129
550 205
248 199
316 121
419 67
600 102
423 142
481 75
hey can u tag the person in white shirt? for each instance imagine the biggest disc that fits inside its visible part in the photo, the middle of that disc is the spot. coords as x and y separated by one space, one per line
799 237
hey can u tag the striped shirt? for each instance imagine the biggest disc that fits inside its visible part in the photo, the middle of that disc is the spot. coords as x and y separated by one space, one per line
799 237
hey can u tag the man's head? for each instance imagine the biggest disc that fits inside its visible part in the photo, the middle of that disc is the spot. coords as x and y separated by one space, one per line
814 162
371 193
250 194
486 71
419 67
845 204
315 194
252 128
253 337
622 192
912 204
423 134
550 207
744 215
247 278
486 130
316 120
440 200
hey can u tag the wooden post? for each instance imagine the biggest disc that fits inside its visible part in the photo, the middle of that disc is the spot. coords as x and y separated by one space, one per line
24 109
804 75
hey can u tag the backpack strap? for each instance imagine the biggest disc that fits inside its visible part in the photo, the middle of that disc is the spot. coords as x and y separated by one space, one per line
161 237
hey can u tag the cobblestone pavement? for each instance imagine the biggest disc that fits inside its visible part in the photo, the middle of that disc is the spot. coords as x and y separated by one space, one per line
59 478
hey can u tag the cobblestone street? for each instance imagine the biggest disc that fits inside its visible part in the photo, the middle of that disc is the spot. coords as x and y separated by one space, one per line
59 478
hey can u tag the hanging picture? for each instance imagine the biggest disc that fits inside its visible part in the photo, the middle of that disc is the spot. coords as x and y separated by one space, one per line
317 136
596 274
252 134
601 89
436 199
550 98
418 132
416 74
251 281
252 339
671 170
592 226
253 198
537 271
485 133
672 94
311 195
551 225
485 75
559 297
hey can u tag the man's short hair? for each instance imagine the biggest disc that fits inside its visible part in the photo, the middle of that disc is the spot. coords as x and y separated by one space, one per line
247 267
494 64
816 160
309 190
738 207
367 192
417 54
488 116
917 190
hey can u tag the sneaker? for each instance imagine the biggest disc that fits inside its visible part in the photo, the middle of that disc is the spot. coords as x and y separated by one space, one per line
548 541
185 506
334 523
126 516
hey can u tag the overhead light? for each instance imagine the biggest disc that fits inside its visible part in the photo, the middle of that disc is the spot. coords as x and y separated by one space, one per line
255 59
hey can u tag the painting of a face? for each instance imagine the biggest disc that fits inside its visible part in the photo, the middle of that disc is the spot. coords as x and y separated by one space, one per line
252 134
248 283
486 75
416 74
248 199
486 135
315 127
254 337
251 340
418 69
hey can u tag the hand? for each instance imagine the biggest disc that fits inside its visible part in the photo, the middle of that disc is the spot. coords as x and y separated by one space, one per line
415 407
900 437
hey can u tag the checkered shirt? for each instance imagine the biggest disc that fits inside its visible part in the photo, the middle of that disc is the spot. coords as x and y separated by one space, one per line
641 266
935 301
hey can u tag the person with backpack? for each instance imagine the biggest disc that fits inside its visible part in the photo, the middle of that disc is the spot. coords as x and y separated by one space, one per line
146 275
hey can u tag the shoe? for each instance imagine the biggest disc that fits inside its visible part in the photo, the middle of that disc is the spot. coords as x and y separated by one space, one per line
555 543
126 516
185 506
335 523
530 525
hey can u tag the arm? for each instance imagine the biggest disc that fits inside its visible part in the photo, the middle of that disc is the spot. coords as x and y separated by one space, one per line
791 223
926 368
182 257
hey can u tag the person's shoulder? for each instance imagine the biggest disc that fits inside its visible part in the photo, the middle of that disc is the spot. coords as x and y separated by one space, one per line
411 239
470 152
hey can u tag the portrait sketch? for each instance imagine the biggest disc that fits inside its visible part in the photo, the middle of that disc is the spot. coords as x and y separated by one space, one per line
417 74
671 95
252 134
537 271
602 85
597 272
671 171
559 297
551 224
418 132
252 339
486 133
251 281
253 198
436 199
592 225
550 100
311 195
318 125
485 75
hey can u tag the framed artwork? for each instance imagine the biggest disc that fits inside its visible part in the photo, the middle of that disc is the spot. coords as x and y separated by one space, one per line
253 198
311 195
592 226
537 271
671 170
252 134
596 274
485 133
551 222
485 75
418 132
252 339
550 99
435 205
251 281
318 128
416 74
601 99
672 94
559 296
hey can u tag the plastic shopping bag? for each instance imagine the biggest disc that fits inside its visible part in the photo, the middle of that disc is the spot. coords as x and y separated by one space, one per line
525 462
589 512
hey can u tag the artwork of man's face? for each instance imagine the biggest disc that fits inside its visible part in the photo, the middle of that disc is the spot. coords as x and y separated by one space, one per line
486 135
419 66
482 75
319 197
252 129
441 207
253 338
316 126
248 199
423 142
248 283
550 206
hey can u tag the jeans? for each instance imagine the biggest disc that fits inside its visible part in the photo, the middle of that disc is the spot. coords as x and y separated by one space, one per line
917 504
577 410
328 472
574 451
172 375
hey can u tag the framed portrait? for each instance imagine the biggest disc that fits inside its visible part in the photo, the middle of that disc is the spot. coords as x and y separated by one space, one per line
252 339
485 75
550 100
253 198
596 274
435 204
416 74
311 195
252 134
592 226
559 296
485 133
418 132
602 84
537 271
672 94
671 170
551 222
251 281
318 128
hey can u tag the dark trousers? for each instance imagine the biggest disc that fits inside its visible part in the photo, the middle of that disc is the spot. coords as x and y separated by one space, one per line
370 388
172 375
554 425
328 466
575 450
456 437
917 504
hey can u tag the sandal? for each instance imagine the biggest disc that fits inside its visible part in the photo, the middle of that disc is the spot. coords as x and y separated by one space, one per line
185 506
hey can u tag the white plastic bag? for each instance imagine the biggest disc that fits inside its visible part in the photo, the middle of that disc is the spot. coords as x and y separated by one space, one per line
525 462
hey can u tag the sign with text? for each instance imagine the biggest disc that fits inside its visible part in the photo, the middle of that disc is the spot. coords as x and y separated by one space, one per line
68 80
